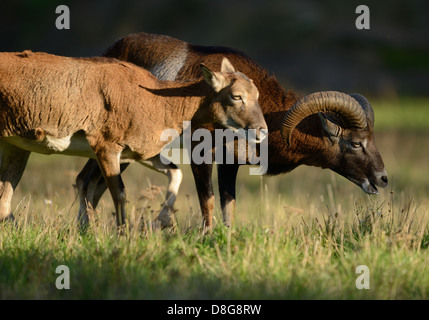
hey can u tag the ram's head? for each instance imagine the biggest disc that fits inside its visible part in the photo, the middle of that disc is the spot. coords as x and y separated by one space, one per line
348 140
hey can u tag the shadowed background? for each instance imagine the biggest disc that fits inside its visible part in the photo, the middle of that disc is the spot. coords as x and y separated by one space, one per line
308 45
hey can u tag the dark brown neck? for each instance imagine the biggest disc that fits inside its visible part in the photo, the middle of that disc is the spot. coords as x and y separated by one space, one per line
306 145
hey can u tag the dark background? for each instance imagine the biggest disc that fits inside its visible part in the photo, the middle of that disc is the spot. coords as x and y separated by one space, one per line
308 45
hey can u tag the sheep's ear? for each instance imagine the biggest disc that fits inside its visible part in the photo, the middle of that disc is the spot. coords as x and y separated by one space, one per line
226 66
331 128
216 80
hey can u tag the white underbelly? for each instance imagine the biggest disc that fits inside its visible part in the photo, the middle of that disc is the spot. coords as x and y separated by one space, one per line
73 145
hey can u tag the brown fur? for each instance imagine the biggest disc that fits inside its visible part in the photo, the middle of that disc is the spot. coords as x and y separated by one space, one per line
111 110
310 143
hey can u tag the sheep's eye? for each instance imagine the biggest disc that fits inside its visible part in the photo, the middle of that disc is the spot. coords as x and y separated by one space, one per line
235 97
356 145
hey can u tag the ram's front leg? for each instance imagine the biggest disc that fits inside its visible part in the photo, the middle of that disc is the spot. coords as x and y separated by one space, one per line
108 158
203 181
227 175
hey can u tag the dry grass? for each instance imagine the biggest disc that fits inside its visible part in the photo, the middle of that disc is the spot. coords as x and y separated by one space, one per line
299 235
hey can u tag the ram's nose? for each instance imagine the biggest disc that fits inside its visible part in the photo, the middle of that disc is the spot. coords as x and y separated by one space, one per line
382 179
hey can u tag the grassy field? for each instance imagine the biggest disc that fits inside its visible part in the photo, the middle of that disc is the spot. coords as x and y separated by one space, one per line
297 236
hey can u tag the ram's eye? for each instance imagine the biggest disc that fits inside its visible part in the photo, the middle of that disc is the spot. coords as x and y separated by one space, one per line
356 145
235 97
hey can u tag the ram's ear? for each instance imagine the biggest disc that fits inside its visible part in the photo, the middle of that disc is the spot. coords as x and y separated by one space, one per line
333 130
226 66
215 79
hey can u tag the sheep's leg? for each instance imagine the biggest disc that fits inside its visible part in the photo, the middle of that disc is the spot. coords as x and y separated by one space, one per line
108 160
13 162
174 175
91 186
227 175
203 181
83 181
97 188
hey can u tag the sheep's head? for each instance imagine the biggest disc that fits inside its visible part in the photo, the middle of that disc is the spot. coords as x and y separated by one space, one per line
349 146
235 104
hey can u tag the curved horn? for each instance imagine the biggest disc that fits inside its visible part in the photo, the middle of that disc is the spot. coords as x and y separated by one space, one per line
338 103
366 106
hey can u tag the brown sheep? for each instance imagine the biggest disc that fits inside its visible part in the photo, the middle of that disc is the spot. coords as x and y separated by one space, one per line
105 109
340 137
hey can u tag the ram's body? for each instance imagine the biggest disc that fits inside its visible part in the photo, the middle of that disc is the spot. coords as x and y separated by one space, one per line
311 142
105 109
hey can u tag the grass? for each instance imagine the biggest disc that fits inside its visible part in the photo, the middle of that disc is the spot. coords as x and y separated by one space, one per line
403 114
315 258
296 236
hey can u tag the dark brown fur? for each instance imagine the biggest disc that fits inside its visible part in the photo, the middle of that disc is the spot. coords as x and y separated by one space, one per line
310 146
